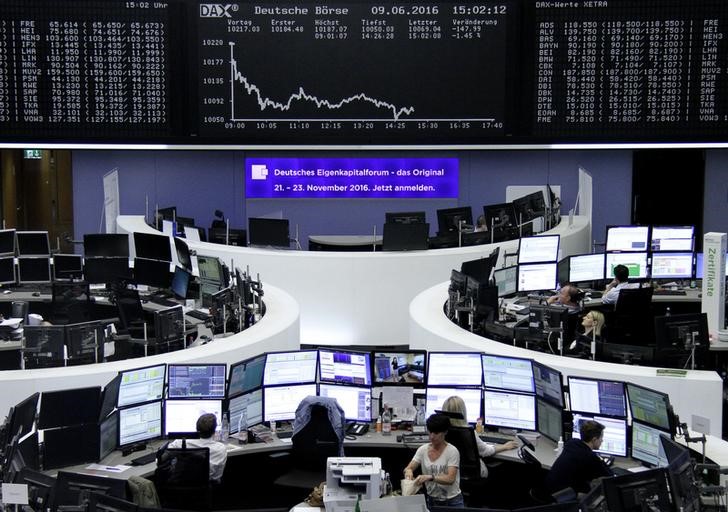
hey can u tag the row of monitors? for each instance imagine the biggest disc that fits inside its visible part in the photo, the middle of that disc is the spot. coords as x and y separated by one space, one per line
650 238
24 243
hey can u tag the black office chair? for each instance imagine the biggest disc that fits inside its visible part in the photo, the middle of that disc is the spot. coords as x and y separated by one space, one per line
472 484
182 478
632 321
131 313
71 303
20 309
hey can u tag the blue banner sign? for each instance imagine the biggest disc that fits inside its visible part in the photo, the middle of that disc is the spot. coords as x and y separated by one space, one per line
414 178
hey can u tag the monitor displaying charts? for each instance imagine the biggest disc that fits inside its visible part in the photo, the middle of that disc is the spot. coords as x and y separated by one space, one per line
245 410
636 263
537 277
454 369
511 373
437 396
615 433
355 400
627 238
672 238
509 410
597 396
141 385
586 267
180 416
345 367
538 249
506 279
550 420
646 444
140 423
672 265
290 367
281 401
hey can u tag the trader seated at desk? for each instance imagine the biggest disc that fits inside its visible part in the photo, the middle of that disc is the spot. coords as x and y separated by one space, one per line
592 323
620 281
568 296
578 465
206 426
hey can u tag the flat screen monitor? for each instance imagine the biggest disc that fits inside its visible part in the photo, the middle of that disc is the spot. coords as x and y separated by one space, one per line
180 283
506 279
405 218
544 318
44 345
550 420
454 369
405 237
153 273
615 433
628 493
280 402
509 410
290 367
140 423
649 406
406 368
34 270
585 267
538 249
699 265
535 277
184 258
180 416
152 247
675 335
196 380
500 216
236 237
7 270
355 400
672 238
245 410
32 243
110 397
472 397
269 232
684 486
345 367
549 383
597 396
106 270
106 246
481 268
646 444
69 407
672 265
246 375
23 416
167 213
458 282
85 342
627 238
141 385
67 266
169 324
509 373
108 435
636 263
69 446
449 219
7 242
210 271
74 488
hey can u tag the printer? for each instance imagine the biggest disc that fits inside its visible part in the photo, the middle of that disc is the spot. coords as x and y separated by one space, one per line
347 478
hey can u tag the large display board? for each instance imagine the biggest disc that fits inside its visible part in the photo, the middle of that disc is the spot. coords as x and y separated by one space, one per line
451 73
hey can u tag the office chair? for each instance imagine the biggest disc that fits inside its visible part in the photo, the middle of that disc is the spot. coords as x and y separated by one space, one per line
182 478
313 443
71 303
131 313
19 309
632 321
472 485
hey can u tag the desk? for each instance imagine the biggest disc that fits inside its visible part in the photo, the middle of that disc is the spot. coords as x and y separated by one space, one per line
344 243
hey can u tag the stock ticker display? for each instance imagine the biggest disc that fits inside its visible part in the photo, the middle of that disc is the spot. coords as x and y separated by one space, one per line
363 73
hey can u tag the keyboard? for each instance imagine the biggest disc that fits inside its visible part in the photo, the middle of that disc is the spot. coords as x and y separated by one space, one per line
415 438
661 291
284 434
162 301
147 458
197 314
493 439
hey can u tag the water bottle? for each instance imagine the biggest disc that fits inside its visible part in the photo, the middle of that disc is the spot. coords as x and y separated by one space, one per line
387 422
243 427
225 429
560 445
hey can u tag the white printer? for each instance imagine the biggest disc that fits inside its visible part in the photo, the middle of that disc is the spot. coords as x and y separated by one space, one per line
349 477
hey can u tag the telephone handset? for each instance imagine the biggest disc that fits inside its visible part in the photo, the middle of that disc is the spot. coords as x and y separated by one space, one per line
357 429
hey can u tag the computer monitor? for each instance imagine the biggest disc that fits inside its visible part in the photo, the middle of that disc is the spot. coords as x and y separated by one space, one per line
196 380
405 237
69 407
597 396
281 402
550 420
290 367
110 397
180 283
7 242
32 243
549 384
355 400
699 265
67 266
269 232
40 487
184 258
684 486
584 268
628 493
236 237
108 435
509 410
106 270
649 406
169 324
44 346
23 417
75 488
212 276
245 409
530 206
103 503
69 446
625 354
141 385
534 277
405 368
509 373
458 283
153 273
672 265
246 375
106 245
672 238
636 263
481 269
449 220
675 336
627 238
167 213
180 416
614 441
152 247
345 367
472 397
405 218
538 249
546 317
500 216
454 369
34 270
646 444
140 423
506 279
7 270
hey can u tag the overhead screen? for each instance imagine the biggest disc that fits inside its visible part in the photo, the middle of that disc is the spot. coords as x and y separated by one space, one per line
356 74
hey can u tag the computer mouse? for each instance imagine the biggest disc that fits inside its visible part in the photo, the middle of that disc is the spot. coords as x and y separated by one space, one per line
7 291
36 294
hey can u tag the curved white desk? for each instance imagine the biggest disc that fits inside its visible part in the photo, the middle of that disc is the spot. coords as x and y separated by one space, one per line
360 298
699 393
277 330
